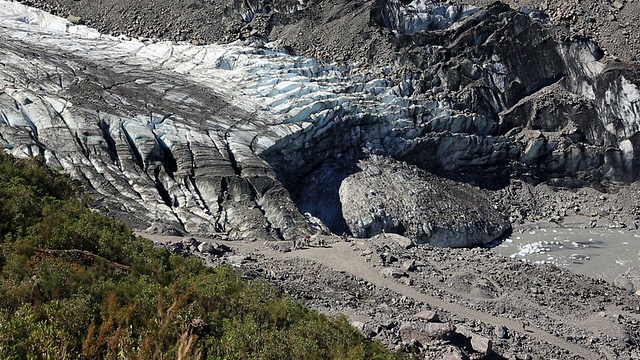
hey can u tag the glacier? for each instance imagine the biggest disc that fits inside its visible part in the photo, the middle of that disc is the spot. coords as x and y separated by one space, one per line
245 139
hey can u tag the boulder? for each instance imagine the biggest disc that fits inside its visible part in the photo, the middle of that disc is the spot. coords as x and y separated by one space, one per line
409 265
501 332
478 343
176 248
191 242
428 315
451 352
220 249
404 199
237 260
425 332
364 329
390 272
629 280
404 242
75 20
284 246
206 248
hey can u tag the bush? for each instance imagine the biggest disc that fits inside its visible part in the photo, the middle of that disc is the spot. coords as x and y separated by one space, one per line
75 284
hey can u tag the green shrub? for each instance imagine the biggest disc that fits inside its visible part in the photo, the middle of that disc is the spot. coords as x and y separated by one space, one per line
75 284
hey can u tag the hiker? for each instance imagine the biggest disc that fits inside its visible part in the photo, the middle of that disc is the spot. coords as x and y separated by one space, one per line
345 237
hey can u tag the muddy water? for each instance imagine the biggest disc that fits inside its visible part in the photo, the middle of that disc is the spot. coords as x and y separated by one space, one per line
601 253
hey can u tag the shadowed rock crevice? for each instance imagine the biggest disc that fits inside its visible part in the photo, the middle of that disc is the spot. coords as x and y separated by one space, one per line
111 144
137 157
317 192
162 191
169 162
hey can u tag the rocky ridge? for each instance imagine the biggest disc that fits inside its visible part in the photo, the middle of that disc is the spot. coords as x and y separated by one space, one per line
608 23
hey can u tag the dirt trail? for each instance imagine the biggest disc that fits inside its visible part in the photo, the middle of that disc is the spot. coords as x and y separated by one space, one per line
341 257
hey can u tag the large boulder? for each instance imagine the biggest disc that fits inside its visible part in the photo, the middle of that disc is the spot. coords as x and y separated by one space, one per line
478 342
390 196
426 332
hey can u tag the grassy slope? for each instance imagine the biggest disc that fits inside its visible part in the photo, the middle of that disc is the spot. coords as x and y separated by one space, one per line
76 284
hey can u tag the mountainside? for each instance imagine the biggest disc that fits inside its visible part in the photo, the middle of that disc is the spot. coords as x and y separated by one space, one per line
256 123
246 139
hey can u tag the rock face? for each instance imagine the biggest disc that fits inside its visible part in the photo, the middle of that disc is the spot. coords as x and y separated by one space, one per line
394 197
246 138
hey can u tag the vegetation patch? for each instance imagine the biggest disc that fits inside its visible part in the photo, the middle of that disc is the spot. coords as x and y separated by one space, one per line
75 284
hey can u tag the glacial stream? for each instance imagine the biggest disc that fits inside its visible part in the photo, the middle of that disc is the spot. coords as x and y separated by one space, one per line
600 253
